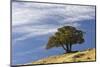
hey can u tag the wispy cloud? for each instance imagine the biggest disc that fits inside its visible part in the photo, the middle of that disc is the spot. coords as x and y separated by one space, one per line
30 51
36 19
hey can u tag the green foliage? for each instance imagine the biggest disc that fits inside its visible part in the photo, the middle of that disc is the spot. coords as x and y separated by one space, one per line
66 37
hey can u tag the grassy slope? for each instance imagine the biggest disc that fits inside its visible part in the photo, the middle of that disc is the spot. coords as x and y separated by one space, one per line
87 55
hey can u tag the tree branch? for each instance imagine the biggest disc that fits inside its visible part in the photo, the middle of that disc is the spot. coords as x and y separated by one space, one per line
64 47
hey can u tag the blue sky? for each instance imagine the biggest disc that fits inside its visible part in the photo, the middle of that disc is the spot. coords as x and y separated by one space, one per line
33 23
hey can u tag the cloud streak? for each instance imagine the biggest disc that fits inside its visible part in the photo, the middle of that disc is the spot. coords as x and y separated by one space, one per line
36 19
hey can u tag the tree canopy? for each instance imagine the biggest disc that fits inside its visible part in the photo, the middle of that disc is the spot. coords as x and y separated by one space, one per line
65 37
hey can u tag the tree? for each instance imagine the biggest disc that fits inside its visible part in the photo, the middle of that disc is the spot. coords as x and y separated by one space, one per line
65 37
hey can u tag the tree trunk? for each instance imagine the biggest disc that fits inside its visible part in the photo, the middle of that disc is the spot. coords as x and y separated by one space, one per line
64 48
70 47
67 48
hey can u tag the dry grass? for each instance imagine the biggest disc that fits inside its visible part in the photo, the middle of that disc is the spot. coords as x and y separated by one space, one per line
87 55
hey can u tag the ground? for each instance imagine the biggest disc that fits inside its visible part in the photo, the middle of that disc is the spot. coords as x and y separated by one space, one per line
86 55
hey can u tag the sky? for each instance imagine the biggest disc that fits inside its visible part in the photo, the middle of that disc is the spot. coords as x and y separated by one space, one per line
33 23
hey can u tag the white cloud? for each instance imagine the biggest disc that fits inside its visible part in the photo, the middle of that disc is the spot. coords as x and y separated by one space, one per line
35 32
31 19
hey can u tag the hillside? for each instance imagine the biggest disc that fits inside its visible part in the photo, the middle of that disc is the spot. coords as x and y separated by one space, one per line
86 55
